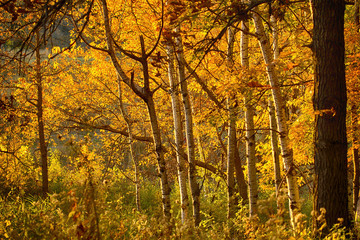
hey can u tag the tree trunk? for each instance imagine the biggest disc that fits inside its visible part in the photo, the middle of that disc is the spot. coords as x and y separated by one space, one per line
355 154
240 178
231 149
286 150
131 145
356 13
194 186
231 146
251 159
147 95
165 187
40 118
250 132
179 136
275 152
331 192
272 120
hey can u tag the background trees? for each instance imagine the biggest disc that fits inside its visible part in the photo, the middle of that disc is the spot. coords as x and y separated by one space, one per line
93 131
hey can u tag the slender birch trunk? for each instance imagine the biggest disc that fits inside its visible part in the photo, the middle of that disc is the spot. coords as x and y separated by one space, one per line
250 133
165 187
272 120
179 136
355 154
128 122
275 152
231 146
286 150
194 186
40 118
145 93
355 140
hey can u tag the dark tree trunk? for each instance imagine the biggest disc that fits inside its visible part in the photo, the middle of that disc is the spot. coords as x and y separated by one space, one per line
240 178
331 192
355 153
356 13
40 118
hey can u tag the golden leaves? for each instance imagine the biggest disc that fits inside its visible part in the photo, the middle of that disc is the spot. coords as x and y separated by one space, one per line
329 112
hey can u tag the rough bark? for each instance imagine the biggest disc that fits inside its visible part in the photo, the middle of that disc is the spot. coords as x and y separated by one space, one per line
250 133
40 119
179 136
146 95
286 150
131 146
194 186
330 99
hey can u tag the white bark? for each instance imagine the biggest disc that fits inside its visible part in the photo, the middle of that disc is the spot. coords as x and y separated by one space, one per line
272 119
128 122
179 136
250 132
286 150
194 186
275 151
146 94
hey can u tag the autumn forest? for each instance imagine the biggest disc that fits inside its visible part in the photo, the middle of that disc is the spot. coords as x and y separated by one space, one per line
179 119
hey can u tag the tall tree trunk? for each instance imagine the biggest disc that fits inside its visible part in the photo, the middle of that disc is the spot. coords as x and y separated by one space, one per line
231 146
240 178
272 120
179 136
356 13
355 155
145 93
275 152
194 186
355 140
165 187
331 192
131 145
251 159
40 118
286 150
250 132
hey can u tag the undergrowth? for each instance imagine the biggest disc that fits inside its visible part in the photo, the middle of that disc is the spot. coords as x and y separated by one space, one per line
97 211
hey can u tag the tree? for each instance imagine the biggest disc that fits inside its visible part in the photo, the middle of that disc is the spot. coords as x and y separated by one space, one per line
286 150
133 157
272 119
178 132
232 143
40 118
330 101
250 132
190 140
146 94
